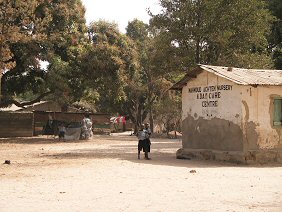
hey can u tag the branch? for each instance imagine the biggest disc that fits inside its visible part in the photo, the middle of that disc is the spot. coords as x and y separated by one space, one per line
23 104
9 60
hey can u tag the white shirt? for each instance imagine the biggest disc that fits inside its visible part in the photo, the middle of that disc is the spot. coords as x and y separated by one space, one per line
141 134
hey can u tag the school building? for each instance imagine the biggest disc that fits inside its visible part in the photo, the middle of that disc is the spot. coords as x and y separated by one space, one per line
231 114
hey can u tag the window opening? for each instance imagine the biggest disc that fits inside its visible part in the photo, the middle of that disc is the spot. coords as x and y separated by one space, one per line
277 117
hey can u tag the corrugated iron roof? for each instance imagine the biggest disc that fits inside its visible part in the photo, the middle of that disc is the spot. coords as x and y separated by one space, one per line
241 76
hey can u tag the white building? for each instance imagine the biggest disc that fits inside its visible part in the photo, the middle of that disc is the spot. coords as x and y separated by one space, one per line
231 114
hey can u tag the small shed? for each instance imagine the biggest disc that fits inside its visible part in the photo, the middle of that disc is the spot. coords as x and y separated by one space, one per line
231 114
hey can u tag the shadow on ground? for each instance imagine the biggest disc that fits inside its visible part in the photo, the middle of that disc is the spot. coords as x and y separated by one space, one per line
54 139
37 140
163 152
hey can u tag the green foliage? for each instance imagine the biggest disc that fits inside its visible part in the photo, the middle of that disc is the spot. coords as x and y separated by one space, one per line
275 40
138 94
152 76
137 31
217 32
40 30
109 65
58 72
168 111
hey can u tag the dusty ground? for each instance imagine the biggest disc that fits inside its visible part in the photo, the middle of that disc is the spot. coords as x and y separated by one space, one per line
104 175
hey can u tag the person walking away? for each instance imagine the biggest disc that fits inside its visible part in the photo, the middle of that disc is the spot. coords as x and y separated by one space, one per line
141 138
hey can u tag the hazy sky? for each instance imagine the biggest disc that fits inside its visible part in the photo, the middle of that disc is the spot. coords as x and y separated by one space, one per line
119 11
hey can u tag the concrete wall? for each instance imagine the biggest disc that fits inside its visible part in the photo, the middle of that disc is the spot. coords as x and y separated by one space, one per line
258 110
212 114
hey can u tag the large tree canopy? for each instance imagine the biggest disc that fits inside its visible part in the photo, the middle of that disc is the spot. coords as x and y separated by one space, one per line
109 64
44 30
218 32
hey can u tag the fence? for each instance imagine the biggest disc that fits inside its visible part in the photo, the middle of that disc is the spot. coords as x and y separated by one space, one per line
13 124
41 119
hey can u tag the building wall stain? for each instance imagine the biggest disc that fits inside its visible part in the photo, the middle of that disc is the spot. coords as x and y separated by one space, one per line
252 136
214 134
247 115
249 128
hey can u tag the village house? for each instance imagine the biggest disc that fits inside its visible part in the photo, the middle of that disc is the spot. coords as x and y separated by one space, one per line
231 114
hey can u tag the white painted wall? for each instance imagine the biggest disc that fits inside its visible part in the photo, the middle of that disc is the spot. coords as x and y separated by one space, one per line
228 105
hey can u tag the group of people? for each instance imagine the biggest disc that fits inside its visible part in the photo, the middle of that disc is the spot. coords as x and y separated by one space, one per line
86 129
144 142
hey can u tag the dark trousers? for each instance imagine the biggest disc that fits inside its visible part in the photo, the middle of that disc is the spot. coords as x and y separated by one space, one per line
144 145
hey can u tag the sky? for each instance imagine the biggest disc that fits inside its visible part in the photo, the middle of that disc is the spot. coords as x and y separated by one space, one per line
119 11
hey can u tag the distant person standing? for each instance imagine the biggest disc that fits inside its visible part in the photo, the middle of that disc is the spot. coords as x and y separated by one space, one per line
86 127
142 142
62 131
147 142
141 138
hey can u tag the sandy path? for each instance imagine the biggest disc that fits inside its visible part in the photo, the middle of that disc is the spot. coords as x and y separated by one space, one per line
104 175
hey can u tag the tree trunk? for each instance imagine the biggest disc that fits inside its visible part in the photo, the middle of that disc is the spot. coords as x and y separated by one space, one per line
151 119
198 51
64 108
0 86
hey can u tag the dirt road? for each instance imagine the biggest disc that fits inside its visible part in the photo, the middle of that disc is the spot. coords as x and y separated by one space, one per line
104 174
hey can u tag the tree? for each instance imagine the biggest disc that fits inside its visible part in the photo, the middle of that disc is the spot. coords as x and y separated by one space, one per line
110 66
154 77
217 32
151 80
138 104
275 40
168 111
51 31
10 33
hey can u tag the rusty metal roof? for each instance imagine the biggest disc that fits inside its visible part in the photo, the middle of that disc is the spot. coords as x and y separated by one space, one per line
241 76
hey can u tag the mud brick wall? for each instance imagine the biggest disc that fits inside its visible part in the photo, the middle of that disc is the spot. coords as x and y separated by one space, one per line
16 124
70 117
